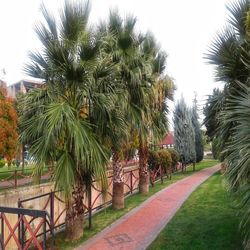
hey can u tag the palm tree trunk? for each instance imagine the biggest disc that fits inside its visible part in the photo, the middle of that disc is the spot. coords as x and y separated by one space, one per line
143 167
75 214
118 184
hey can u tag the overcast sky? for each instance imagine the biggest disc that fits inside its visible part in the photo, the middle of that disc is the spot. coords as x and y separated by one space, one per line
183 28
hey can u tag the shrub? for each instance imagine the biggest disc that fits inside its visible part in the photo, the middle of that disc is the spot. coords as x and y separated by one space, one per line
165 159
2 163
153 159
175 156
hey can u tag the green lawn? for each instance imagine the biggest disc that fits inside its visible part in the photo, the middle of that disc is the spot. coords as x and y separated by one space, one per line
107 216
206 221
6 172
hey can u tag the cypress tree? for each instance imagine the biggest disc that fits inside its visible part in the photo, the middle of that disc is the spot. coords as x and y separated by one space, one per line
199 149
184 133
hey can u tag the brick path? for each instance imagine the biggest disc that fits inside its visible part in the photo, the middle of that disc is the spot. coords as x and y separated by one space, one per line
137 229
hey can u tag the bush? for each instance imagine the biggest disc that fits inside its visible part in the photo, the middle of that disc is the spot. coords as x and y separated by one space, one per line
175 156
2 163
165 159
153 160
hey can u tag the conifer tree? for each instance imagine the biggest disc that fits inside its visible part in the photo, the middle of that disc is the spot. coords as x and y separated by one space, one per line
199 149
184 133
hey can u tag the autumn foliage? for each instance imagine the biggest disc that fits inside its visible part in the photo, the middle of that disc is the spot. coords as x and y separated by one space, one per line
8 127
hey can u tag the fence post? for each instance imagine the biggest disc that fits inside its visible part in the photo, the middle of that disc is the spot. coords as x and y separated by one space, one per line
90 204
2 232
131 181
15 178
18 217
44 232
52 209
22 238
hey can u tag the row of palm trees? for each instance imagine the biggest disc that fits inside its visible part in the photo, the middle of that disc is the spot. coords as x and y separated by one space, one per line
105 88
228 109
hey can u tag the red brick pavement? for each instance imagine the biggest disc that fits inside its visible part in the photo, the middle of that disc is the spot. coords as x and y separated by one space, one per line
137 229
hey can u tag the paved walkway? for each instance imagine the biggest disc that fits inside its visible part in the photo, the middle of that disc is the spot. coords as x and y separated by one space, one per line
137 229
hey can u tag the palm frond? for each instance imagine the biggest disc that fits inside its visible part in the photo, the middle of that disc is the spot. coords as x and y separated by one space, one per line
237 16
74 19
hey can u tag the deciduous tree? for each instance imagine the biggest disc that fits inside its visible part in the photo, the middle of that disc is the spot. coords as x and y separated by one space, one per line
8 127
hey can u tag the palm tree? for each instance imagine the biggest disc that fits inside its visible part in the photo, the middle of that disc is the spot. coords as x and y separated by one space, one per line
57 117
111 128
237 153
154 115
140 67
230 54
211 111
122 43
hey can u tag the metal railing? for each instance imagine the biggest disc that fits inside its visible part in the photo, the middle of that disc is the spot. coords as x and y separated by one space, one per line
18 177
54 206
24 232
94 199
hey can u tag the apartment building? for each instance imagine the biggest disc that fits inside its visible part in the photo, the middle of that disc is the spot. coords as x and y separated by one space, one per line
22 86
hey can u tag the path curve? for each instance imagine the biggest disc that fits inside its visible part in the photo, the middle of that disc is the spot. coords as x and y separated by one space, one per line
138 228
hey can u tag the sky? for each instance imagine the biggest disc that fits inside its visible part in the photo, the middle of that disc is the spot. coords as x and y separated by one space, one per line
184 29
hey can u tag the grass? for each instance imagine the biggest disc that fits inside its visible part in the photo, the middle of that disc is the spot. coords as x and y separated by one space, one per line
104 218
6 172
207 220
